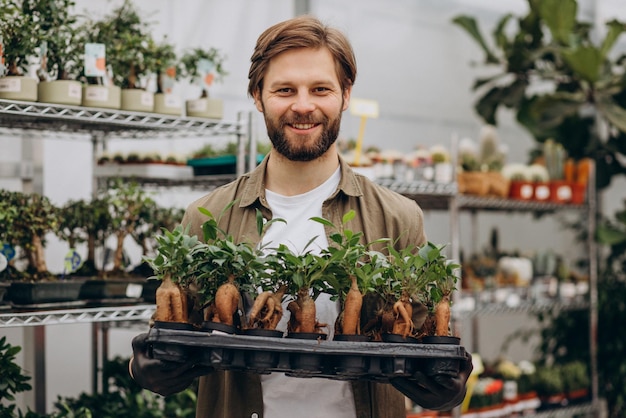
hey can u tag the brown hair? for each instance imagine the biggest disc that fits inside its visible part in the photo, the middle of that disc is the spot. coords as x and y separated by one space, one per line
301 32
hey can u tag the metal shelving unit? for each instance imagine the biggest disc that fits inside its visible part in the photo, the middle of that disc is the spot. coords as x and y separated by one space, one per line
101 125
77 316
432 196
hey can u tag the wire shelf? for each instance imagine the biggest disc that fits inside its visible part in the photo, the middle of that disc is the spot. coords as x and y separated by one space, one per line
76 316
44 116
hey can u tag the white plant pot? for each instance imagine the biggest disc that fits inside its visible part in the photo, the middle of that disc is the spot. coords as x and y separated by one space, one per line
205 108
137 100
95 95
66 92
18 88
168 104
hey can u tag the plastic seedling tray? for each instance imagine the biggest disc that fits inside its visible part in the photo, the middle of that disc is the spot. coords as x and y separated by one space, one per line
339 360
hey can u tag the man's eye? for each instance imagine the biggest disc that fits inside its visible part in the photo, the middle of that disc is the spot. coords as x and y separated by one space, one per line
320 89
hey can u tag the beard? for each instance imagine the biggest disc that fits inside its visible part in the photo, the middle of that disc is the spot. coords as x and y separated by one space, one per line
301 151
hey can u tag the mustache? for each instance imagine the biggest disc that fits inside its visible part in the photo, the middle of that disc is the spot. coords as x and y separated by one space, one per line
301 119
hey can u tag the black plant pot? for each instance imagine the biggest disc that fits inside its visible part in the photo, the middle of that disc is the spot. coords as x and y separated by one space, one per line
260 332
351 366
211 326
398 366
397 338
31 293
262 361
305 364
439 366
172 352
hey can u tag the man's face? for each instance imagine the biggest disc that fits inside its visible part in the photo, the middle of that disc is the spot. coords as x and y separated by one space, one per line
302 102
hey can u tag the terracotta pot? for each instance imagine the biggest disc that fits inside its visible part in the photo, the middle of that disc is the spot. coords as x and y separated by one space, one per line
579 193
542 192
560 191
521 190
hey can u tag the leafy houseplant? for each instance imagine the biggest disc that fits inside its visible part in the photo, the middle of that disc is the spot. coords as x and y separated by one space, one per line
165 68
203 67
61 55
17 32
12 379
128 51
582 85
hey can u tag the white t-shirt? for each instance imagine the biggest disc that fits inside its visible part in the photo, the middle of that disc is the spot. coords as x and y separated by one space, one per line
284 396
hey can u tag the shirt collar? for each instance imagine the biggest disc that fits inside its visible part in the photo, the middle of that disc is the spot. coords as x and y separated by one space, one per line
254 188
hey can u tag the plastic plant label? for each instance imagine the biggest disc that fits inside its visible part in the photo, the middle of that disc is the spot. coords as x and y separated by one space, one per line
147 99
95 61
74 90
72 261
2 67
3 262
97 93
7 251
10 84
134 290
172 100
205 68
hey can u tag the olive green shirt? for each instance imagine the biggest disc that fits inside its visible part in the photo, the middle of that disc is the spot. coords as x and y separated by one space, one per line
380 213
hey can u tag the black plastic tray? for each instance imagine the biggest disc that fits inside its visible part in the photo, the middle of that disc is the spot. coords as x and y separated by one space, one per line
339 360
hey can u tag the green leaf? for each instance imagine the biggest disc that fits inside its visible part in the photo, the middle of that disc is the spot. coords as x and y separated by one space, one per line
471 27
560 16
610 236
587 61
348 216
613 112
615 29
498 33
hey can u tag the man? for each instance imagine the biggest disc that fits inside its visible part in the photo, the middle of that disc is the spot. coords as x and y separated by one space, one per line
301 78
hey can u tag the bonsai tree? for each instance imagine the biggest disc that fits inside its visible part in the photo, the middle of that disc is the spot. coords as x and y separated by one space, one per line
32 216
203 67
128 45
164 62
174 264
62 56
17 31
127 203
224 269
582 81
350 273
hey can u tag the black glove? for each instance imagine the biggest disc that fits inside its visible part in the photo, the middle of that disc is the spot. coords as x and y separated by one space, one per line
438 392
162 377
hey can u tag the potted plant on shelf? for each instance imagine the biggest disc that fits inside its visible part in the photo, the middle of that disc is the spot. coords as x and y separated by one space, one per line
31 217
60 52
166 70
203 67
17 44
128 52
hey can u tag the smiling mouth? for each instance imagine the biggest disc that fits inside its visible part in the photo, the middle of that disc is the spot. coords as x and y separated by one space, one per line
303 126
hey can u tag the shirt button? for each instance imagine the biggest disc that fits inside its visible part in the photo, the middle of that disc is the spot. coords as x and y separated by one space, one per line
254 415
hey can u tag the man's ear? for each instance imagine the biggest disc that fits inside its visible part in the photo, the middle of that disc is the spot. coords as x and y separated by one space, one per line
257 100
346 97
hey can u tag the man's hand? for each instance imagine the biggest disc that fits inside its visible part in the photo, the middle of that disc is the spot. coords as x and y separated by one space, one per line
162 377
438 392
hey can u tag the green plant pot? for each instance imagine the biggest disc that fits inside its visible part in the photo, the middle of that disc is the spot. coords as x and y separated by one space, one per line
108 97
137 100
167 104
65 92
18 88
205 108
